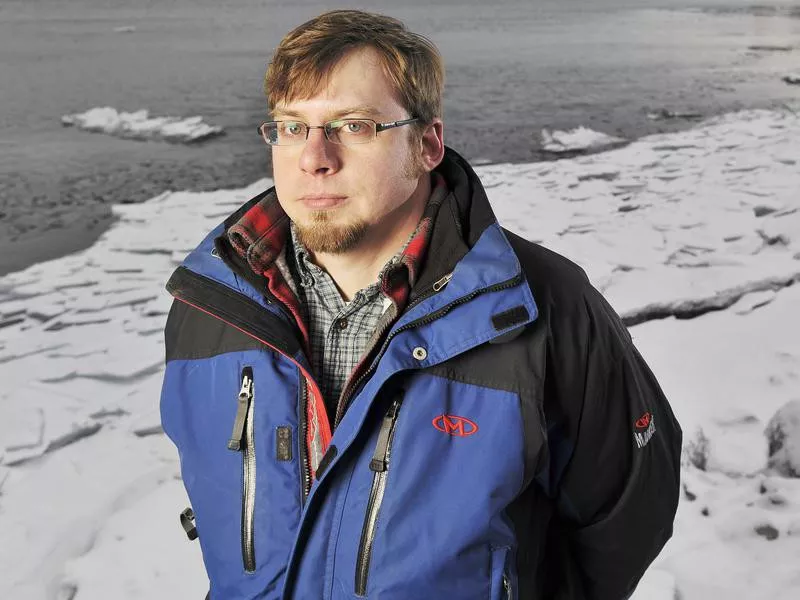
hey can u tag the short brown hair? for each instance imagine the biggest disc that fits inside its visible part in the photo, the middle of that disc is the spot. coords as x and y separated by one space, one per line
308 53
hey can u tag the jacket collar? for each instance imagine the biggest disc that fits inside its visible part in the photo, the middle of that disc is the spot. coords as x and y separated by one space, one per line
464 215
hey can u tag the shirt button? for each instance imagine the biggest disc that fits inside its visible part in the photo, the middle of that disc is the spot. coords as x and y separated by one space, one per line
342 323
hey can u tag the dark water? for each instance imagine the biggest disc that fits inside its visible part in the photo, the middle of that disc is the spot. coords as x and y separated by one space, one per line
513 67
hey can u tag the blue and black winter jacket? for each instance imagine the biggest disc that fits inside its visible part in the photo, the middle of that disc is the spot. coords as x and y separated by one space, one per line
507 442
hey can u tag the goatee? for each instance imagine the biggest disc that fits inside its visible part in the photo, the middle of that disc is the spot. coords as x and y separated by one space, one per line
321 235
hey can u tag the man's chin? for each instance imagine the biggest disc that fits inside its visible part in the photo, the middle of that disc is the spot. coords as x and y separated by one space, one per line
322 235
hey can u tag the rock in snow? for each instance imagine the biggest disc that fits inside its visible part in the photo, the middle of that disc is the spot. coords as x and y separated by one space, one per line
783 435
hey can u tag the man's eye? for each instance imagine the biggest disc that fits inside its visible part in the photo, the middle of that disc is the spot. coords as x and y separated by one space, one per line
357 129
292 128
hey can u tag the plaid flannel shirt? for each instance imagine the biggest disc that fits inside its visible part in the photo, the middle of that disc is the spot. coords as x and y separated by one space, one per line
339 331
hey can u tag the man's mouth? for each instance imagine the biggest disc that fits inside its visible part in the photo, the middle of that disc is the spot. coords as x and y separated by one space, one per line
322 201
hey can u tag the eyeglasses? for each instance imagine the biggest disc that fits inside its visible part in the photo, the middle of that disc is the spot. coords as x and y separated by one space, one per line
347 132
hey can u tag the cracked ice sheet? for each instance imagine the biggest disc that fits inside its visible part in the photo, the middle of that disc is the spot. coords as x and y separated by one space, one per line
702 231
95 368
50 416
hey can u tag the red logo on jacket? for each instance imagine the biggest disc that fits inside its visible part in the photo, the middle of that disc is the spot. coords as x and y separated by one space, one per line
455 426
643 422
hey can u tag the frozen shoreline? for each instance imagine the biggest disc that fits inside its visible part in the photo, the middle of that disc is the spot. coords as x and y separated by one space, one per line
706 220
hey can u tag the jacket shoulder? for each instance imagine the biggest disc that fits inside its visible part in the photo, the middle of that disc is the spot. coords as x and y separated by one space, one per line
547 271
566 299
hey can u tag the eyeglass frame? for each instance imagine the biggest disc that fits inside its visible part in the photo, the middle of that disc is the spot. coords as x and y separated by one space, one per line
378 128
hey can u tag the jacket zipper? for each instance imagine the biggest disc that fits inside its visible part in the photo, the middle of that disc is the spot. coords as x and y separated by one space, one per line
233 319
439 285
305 466
242 440
379 465
349 390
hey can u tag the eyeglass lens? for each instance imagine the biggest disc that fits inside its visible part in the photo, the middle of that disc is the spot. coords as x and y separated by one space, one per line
340 131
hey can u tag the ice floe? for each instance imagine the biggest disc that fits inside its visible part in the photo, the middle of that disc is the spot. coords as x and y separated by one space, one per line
139 125
580 139
664 114
694 237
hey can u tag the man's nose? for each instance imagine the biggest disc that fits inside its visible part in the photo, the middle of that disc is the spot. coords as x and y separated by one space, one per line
319 156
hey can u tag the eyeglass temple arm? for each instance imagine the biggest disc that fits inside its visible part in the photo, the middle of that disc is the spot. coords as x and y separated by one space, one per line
382 126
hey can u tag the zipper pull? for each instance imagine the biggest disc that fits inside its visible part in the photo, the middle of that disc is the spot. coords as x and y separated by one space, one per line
245 397
187 522
437 287
380 459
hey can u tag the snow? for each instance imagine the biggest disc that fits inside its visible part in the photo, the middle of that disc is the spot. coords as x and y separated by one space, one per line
139 125
580 139
694 237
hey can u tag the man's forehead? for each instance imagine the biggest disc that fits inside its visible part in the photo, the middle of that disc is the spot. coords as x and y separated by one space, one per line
328 110
357 84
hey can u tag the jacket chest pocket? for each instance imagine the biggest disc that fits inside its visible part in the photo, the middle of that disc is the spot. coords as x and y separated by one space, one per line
243 441
379 465
234 421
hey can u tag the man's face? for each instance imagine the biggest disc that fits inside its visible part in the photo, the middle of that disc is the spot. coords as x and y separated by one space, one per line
337 195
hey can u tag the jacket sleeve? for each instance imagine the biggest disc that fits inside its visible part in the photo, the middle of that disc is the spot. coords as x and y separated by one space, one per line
619 445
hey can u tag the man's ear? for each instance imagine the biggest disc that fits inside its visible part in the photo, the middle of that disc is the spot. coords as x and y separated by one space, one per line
433 144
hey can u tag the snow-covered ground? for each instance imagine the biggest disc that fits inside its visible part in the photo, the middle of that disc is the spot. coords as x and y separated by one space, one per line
694 238
139 125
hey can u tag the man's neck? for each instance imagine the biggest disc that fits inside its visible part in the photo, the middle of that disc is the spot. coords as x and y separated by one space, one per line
360 267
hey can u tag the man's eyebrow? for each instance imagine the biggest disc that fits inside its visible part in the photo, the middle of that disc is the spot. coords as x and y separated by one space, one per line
363 109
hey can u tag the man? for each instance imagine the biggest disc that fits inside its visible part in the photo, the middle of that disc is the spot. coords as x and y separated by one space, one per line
376 391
